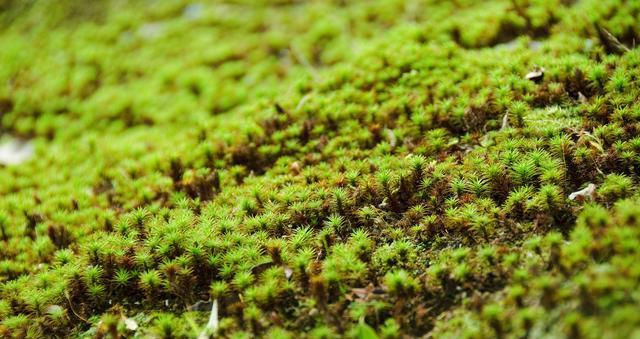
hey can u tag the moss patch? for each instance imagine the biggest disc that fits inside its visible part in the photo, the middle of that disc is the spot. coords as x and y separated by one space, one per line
324 168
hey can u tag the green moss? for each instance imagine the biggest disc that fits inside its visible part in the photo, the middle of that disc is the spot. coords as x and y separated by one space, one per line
326 168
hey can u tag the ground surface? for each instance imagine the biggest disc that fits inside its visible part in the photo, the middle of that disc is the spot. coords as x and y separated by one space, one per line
321 168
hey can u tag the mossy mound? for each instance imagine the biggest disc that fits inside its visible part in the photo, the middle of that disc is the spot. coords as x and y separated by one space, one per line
321 168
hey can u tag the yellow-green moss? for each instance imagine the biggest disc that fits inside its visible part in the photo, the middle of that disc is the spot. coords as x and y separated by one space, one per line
321 168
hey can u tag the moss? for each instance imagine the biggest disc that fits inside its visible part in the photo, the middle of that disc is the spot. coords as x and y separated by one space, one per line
321 168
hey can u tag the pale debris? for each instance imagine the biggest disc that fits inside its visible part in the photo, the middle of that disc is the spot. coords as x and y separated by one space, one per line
152 30
584 193
302 101
193 11
295 167
288 272
582 98
212 325
131 324
54 309
536 75
505 121
15 151
392 137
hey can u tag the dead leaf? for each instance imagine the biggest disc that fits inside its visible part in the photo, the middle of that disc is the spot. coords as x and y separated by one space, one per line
610 42
586 138
365 293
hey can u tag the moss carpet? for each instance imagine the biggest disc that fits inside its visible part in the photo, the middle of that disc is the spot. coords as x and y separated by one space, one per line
321 169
